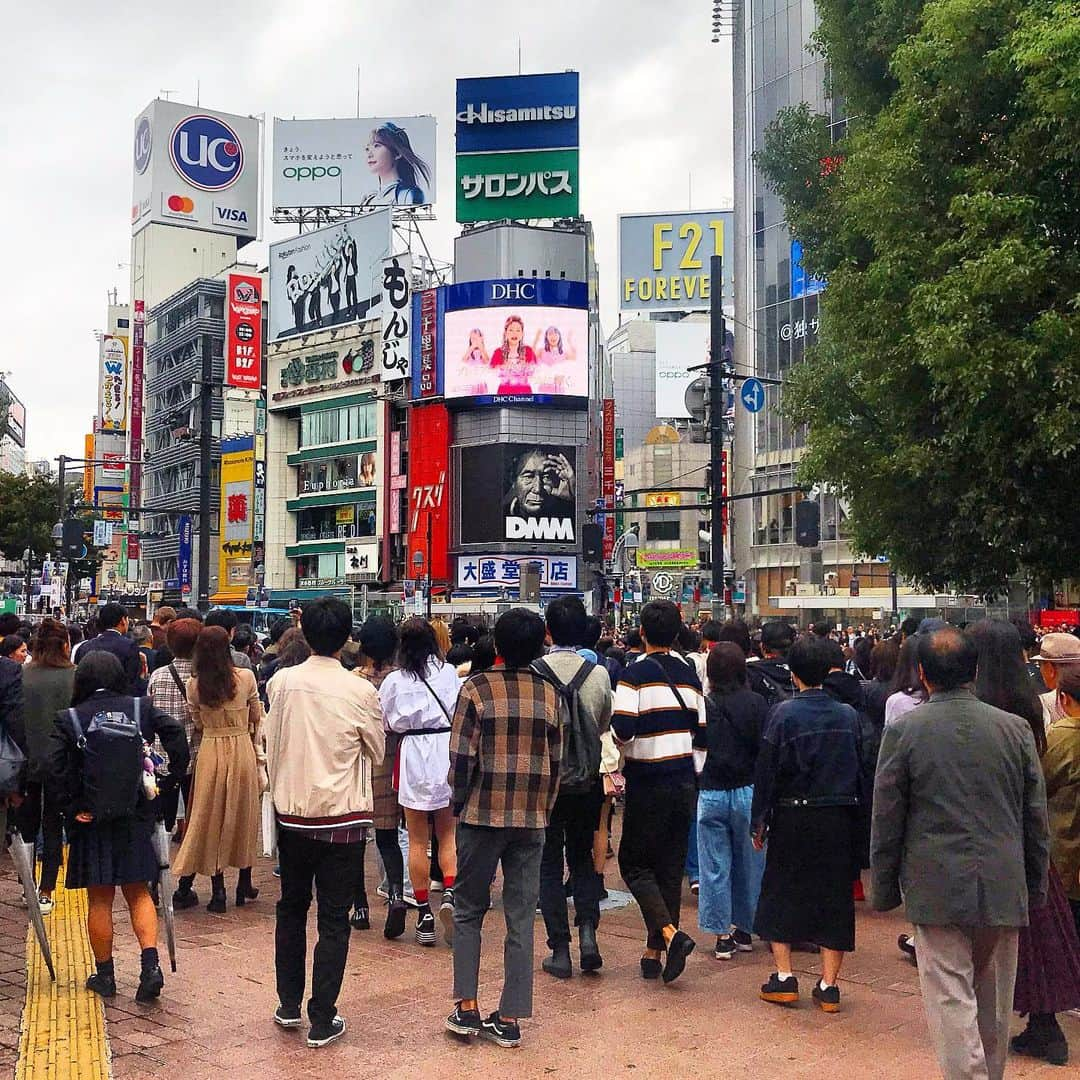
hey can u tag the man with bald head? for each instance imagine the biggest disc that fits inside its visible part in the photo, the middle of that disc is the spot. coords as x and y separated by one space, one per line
959 836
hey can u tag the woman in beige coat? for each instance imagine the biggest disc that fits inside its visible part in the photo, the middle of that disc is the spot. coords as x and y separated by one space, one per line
223 820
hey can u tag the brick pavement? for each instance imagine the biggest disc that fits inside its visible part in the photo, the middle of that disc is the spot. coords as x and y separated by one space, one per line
13 927
214 1018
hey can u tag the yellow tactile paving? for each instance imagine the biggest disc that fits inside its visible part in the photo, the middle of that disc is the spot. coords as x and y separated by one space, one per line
63 1023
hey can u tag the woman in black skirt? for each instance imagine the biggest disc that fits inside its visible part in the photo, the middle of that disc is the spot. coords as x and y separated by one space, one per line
118 851
806 796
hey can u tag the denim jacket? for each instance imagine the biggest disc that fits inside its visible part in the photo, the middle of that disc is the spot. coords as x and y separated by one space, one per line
809 756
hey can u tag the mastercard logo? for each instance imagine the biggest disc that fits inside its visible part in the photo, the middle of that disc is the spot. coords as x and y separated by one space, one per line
181 204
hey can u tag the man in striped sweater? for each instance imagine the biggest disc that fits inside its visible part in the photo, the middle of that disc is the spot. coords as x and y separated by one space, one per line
658 706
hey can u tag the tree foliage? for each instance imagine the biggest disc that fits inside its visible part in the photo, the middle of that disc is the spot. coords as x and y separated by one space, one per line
28 511
943 395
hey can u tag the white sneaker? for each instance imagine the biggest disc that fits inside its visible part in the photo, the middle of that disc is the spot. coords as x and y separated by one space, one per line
46 904
435 886
408 896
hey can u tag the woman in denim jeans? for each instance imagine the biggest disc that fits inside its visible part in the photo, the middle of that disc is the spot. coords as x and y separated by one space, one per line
730 869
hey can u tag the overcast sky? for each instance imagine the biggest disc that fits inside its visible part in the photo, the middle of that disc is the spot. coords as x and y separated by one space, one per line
655 111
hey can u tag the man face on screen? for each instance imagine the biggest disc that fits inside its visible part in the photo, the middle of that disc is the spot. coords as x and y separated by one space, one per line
542 487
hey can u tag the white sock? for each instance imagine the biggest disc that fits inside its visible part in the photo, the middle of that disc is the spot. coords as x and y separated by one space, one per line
824 985
782 975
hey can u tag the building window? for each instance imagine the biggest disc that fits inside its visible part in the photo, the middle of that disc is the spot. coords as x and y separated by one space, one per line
336 473
335 522
662 526
346 424
317 571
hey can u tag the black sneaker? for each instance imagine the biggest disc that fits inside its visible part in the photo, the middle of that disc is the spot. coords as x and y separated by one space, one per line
446 916
151 983
650 968
288 1016
744 942
102 985
906 944
501 1032
725 947
324 1034
425 928
463 1021
360 919
829 999
184 898
679 948
781 991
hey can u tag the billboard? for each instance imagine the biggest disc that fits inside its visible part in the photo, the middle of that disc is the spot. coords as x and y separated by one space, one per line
664 259
504 571
12 416
680 559
184 552
518 492
243 331
237 483
679 347
429 497
397 313
517 147
607 476
328 277
138 354
499 342
196 168
113 382
358 161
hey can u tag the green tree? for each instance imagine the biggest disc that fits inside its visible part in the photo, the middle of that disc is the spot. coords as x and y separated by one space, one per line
943 395
28 512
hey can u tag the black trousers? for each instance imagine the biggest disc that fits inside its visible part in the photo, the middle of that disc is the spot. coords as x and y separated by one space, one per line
652 852
170 802
39 810
332 868
569 836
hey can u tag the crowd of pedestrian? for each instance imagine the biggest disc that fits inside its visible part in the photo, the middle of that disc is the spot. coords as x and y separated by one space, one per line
766 769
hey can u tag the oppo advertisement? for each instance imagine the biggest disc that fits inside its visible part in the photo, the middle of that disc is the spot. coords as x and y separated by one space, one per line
518 492
518 341
328 277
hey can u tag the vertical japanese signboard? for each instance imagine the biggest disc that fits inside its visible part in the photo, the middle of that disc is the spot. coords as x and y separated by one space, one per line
427 374
184 553
137 367
243 331
397 314
429 496
607 477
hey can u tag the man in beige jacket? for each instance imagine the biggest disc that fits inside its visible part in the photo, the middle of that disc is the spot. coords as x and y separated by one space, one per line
323 733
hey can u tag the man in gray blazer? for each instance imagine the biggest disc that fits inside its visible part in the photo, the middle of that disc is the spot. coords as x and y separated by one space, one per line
959 829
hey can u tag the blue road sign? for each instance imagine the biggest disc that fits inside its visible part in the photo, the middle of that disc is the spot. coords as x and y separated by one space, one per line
753 395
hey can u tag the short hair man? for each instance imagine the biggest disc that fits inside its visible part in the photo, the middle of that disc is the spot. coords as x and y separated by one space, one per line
162 617
1056 653
576 814
113 623
323 732
959 798
505 752
658 708
227 619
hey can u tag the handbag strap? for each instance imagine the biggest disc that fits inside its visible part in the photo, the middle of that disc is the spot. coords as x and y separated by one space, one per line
176 679
76 723
438 699
675 689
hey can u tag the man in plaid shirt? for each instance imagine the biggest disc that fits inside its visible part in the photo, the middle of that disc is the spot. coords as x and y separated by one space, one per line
506 719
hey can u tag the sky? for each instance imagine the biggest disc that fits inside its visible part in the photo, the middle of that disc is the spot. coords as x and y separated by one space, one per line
655 124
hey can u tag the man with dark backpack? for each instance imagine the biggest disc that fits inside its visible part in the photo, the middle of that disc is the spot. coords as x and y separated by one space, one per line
770 676
585 690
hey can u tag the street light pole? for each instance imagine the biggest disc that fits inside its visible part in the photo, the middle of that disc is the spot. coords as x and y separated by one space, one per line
718 334
428 590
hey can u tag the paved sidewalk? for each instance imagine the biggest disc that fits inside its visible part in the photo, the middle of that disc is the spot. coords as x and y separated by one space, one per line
214 1017
13 928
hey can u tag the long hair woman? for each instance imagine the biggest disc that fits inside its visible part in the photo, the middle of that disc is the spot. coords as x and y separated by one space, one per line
224 823
47 681
1048 960
907 691
378 646
418 701
111 846
397 166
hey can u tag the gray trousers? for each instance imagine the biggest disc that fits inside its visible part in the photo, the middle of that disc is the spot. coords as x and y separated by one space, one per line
479 852
967 975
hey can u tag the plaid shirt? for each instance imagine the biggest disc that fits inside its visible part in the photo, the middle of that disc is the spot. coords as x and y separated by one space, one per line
165 694
505 750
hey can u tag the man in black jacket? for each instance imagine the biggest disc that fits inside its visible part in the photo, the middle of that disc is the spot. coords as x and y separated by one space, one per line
11 718
113 622
770 676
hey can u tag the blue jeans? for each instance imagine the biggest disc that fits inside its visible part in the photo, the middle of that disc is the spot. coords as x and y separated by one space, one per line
730 867
691 854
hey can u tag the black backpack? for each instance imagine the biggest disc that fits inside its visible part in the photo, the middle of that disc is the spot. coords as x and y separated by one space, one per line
580 765
112 751
769 687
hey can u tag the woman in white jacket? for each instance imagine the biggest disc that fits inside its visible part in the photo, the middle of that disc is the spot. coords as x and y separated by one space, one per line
418 701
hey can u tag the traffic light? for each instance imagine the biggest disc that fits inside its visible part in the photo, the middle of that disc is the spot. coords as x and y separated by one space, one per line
807 523
71 544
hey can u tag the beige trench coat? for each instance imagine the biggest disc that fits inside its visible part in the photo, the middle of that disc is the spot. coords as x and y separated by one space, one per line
223 820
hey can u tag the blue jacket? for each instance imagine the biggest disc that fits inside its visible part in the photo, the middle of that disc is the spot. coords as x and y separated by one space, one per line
809 751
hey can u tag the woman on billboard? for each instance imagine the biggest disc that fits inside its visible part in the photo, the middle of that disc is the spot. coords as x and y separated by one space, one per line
397 167
516 361
552 356
475 363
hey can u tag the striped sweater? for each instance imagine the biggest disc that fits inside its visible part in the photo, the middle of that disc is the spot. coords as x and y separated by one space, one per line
655 732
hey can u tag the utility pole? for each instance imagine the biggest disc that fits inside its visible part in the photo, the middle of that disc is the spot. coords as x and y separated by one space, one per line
206 446
428 590
718 335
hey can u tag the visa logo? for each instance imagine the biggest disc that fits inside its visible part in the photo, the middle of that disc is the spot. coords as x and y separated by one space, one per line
231 216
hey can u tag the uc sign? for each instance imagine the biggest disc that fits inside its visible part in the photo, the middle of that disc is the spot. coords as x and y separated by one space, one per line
206 152
664 259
